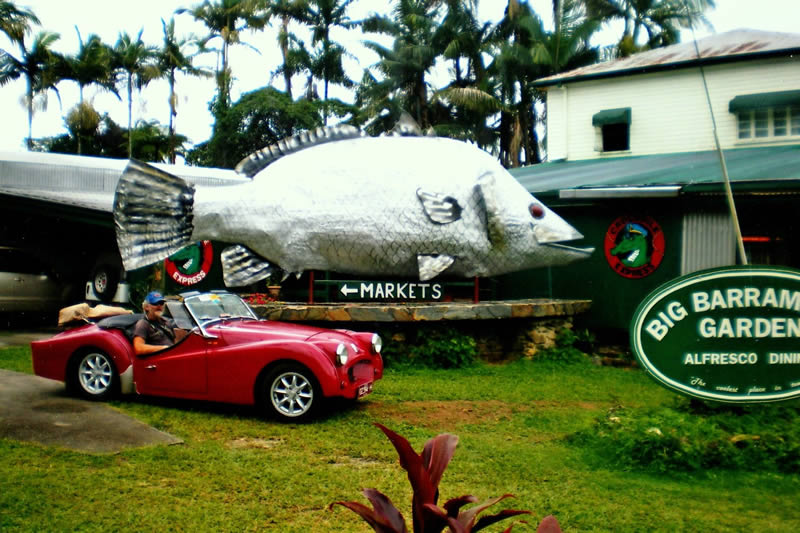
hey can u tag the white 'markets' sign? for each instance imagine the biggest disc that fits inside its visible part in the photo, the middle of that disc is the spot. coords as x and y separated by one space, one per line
729 334
390 290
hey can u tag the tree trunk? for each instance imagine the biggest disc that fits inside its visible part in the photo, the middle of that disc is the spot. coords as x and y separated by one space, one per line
130 116
30 115
171 148
283 39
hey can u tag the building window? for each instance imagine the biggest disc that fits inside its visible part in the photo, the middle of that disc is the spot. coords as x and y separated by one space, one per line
767 123
794 117
767 115
613 128
615 137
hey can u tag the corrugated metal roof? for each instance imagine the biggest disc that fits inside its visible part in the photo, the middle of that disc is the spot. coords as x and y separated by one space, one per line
85 182
762 164
732 45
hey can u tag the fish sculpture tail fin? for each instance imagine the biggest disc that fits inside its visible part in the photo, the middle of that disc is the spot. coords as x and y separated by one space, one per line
153 212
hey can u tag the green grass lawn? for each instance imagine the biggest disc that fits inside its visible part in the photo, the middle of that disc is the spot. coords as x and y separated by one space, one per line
237 472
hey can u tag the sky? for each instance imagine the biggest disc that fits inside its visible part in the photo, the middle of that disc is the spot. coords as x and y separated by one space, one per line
108 18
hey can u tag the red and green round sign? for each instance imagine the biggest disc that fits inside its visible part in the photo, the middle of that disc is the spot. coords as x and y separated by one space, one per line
634 246
191 264
729 334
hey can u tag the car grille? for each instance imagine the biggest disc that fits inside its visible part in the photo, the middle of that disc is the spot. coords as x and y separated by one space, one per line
361 370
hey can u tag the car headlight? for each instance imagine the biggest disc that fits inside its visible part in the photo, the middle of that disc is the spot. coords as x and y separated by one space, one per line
377 343
342 354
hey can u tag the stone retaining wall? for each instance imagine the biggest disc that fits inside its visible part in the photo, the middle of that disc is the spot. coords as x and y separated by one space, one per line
502 329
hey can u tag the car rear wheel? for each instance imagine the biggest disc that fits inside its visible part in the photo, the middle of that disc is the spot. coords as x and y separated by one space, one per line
94 376
291 393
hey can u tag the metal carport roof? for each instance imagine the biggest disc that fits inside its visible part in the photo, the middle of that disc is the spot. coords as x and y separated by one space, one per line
773 167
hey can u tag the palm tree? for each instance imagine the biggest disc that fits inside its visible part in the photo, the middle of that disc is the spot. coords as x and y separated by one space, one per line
136 60
462 36
39 65
91 65
172 58
404 67
321 16
660 19
516 64
34 64
16 22
287 10
226 20
464 40
568 46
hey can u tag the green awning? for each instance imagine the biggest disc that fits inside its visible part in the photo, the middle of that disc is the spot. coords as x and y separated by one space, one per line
769 168
621 115
746 102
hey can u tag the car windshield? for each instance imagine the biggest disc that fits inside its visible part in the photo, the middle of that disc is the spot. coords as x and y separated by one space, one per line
214 306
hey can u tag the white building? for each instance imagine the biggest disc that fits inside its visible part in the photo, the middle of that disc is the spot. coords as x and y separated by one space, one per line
630 150
655 102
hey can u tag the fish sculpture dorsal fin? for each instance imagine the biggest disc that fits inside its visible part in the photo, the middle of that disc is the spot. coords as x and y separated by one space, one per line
406 126
258 161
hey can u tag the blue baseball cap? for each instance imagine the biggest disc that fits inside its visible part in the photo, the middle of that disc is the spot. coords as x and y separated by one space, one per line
155 298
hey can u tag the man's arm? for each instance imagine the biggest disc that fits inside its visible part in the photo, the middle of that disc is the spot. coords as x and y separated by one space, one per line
142 348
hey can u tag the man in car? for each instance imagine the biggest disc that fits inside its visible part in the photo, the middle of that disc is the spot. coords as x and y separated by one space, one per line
153 333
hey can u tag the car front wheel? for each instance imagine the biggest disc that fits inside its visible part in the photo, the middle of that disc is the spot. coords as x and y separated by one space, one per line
292 393
94 375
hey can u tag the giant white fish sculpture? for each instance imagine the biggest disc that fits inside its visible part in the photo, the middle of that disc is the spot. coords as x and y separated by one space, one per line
336 200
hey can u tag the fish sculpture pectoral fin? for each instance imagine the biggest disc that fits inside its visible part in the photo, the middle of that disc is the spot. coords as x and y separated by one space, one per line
431 266
438 208
241 266
153 215
495 228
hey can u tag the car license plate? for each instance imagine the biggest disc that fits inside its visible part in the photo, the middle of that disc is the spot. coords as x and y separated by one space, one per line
364 389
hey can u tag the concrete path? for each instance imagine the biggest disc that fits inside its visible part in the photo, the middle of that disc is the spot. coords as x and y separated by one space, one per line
35 409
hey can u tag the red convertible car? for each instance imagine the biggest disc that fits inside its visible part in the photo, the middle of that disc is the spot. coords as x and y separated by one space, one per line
229 356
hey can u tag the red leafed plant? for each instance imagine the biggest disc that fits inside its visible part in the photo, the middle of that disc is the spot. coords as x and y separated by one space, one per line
425 472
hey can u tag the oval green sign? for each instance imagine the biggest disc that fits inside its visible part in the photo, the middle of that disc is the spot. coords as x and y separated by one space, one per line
728 334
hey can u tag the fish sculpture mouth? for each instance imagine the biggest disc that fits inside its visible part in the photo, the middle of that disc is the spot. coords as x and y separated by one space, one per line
549 235
574 250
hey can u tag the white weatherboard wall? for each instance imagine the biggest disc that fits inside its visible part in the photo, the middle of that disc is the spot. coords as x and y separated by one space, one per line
669 110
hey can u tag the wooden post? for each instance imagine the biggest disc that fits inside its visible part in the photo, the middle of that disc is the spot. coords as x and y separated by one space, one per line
476 294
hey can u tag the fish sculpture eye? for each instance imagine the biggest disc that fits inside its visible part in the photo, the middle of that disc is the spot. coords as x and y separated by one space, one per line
537 211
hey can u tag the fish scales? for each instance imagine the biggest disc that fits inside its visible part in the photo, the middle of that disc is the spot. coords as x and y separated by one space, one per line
406 206
352 206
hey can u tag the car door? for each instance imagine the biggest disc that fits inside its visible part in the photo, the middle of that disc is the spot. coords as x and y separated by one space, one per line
179 371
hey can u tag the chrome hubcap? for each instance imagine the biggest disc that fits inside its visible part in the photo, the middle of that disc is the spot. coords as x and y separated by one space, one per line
291 394
100 282
95 373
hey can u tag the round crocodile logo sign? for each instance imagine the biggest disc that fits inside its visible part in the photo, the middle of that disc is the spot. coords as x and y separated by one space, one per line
634 246
190 265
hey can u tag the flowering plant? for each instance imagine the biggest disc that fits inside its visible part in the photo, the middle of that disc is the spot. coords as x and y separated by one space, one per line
258 298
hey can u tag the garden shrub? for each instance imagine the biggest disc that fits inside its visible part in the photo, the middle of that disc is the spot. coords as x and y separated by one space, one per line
695 435
430 348
566 350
